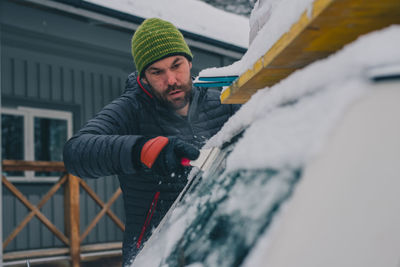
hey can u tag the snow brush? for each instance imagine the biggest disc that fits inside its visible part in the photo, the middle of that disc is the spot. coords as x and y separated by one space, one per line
214 81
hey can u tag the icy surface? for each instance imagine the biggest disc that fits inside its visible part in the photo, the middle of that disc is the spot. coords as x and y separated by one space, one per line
287 124
269 20
190 15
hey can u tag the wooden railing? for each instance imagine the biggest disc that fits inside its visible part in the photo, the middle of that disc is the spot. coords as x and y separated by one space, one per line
72 237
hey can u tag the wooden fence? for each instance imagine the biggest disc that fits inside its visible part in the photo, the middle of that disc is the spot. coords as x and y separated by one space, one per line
72 237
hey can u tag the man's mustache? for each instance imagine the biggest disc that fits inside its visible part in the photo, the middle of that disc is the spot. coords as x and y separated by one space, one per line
172 88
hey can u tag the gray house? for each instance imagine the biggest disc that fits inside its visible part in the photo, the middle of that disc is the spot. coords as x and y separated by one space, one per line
61 62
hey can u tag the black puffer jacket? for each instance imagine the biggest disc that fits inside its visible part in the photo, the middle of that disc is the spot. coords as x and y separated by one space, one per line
104 146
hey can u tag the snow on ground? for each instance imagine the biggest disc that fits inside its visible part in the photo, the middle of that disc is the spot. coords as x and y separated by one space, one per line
276 16
189 15
287 125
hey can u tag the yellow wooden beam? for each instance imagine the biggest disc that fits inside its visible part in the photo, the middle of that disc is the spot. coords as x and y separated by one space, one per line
332 24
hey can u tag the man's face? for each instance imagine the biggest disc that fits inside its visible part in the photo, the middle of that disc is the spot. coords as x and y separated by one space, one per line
170 81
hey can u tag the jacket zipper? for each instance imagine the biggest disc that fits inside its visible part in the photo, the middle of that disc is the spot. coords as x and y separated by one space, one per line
148 218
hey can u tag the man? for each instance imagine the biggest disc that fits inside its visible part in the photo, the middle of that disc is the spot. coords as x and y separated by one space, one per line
142 135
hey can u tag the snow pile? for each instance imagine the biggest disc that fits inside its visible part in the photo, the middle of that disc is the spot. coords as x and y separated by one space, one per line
260 15
283 132
269 20
189 15
287 125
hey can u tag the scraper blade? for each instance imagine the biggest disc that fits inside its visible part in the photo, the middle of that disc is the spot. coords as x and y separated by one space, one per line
205 159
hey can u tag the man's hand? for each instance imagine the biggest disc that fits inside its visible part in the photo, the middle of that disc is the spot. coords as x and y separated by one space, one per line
163 155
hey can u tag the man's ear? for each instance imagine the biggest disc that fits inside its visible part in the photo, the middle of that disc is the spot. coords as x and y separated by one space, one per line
144 80
190 65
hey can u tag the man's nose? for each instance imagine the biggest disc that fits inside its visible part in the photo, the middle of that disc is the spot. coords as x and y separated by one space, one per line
171 78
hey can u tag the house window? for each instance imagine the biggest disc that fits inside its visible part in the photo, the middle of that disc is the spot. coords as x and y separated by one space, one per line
35 135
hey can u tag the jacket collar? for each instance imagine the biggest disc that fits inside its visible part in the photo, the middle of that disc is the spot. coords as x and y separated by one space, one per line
146 91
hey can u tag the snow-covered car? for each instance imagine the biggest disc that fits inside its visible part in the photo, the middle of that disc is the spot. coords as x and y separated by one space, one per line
308 173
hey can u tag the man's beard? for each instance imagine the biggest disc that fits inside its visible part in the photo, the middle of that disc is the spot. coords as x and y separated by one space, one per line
178 103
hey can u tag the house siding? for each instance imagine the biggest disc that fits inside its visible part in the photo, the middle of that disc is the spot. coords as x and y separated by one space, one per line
58 61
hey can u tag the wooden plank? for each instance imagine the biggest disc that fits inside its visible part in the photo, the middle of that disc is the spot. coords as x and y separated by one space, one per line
46 236
103 211
118 208
101 230
56 204
332 24
41 253
30 215
33 238
100 247
36 212
111 214
20 211
96 256
29 254
72 218
109 190
91 210
22 165
9 207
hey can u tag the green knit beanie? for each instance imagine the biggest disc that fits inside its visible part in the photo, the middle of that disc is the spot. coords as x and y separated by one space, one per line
156 39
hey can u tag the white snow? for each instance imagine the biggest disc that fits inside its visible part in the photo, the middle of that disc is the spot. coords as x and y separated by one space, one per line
287 126
269 20
190 15
347 197
260 15
281 137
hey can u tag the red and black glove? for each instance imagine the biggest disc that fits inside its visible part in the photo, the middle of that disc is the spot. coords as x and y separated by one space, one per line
163 155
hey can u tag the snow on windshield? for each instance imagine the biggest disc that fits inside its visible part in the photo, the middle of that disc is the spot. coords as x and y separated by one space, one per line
287 125
190 15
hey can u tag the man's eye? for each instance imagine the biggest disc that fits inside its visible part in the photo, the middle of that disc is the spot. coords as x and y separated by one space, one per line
175 66
156 72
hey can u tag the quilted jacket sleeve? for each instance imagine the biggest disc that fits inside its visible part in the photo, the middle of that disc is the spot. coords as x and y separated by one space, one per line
103 146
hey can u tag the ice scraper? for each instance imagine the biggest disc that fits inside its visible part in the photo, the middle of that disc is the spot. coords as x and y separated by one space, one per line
205 159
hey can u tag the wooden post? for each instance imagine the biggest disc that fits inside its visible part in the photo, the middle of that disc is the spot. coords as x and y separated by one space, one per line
71 217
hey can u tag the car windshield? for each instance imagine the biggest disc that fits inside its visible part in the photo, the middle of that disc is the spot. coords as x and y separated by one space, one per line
207 225
238 210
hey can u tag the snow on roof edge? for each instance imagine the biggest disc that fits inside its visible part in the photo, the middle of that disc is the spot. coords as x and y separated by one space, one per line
233 40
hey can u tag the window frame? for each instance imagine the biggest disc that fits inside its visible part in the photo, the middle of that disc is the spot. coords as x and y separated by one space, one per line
29 114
